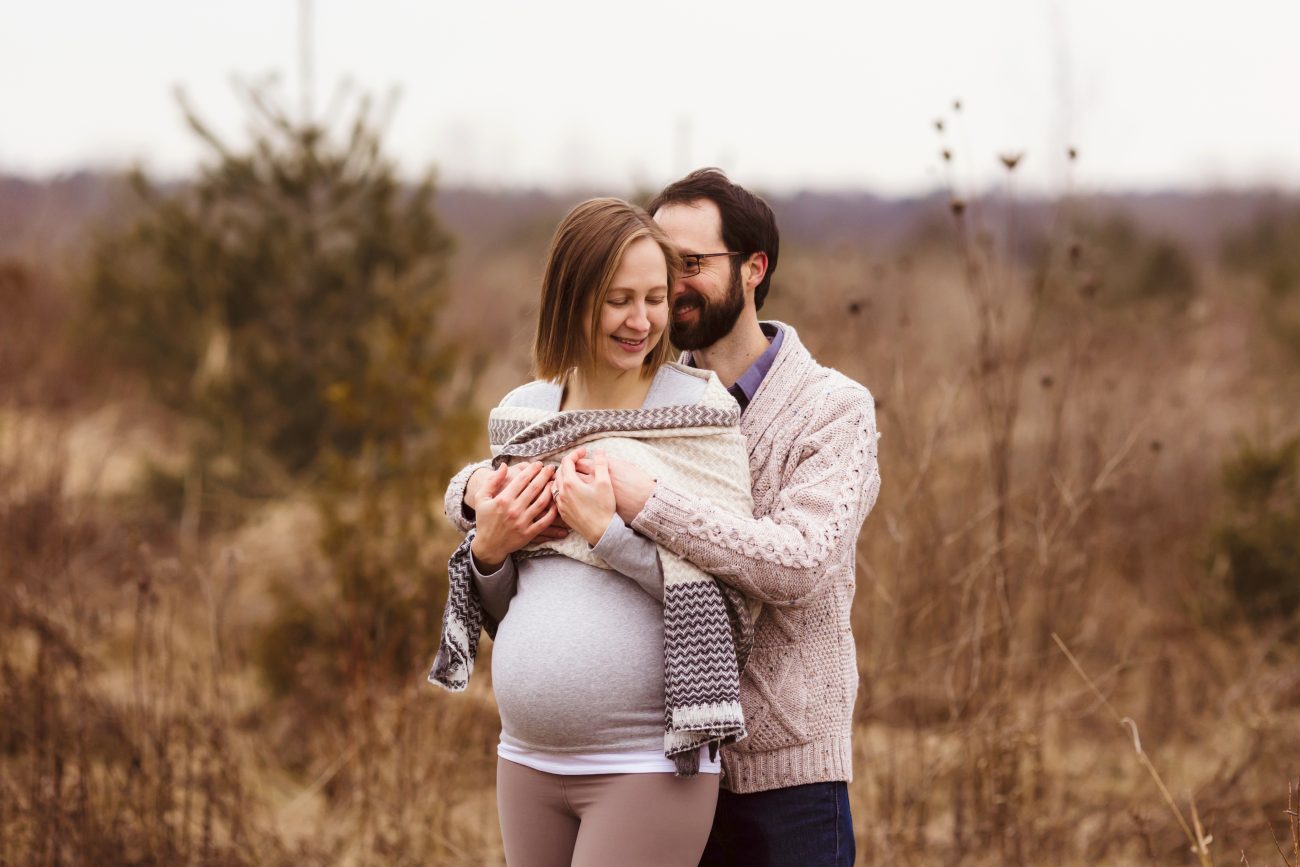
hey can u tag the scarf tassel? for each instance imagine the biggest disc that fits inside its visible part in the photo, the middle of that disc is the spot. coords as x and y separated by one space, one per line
688 763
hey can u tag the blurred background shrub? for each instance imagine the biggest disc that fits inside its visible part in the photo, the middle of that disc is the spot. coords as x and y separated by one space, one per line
286 303
1261 538
1268 250
1127 264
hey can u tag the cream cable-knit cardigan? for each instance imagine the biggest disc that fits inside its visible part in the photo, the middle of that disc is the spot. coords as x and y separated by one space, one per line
811 435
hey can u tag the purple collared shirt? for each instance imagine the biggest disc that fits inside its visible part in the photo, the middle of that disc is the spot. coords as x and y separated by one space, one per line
745 387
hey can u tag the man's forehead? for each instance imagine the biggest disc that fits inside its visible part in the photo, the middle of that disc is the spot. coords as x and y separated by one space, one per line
693 226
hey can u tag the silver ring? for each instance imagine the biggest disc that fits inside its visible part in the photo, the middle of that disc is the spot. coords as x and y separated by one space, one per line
555 490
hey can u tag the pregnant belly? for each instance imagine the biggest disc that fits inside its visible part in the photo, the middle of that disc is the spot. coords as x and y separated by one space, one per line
578 663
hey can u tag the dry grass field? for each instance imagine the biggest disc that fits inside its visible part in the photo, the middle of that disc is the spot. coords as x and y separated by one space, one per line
1055 438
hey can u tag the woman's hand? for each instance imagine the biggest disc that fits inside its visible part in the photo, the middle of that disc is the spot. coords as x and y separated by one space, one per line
511 511
632 486
476 489
586 500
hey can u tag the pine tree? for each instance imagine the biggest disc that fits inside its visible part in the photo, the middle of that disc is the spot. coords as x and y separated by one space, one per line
286 305
286 302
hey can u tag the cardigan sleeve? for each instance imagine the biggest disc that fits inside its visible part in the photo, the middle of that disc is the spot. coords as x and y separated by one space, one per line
781 559
453 502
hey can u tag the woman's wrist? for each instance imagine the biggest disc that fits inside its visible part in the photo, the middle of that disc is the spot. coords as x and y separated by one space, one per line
485 558
594 530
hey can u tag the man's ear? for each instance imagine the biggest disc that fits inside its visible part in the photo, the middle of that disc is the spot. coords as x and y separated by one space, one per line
754 269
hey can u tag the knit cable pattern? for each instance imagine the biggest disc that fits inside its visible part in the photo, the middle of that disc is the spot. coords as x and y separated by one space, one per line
812 441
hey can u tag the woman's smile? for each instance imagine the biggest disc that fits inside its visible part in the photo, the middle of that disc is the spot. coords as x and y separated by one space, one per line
629 344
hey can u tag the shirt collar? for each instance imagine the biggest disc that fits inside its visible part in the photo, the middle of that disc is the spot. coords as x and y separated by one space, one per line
747 385
752 378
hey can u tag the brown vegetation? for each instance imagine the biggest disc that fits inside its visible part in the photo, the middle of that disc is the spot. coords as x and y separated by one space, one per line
1110 462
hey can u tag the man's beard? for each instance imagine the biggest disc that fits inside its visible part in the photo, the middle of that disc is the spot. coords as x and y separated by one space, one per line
713 320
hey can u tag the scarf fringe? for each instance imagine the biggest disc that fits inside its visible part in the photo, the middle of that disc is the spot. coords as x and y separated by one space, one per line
688 764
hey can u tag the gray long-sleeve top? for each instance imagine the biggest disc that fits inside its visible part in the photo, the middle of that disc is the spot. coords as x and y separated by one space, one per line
578 661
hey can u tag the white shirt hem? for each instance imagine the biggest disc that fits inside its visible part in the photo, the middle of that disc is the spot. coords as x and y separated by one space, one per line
573 764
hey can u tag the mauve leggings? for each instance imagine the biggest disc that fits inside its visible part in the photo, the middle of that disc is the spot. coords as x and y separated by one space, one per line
595 820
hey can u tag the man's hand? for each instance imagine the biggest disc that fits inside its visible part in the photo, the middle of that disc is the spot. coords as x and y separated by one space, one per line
512 512
479 479
632 486
474 493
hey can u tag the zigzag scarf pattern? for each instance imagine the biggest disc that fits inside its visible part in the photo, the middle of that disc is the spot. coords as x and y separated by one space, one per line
708 629
547 436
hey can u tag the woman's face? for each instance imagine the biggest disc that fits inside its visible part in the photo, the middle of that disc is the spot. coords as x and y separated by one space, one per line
635 312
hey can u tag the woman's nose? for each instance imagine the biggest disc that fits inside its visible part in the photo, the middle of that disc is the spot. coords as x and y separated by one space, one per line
640 317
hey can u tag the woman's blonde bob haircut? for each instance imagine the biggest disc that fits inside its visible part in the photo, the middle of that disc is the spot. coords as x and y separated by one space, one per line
585 252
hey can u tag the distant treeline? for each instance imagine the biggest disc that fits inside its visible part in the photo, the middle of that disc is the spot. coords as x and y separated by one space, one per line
49 215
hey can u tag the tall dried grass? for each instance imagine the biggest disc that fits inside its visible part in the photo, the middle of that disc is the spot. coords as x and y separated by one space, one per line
1051 466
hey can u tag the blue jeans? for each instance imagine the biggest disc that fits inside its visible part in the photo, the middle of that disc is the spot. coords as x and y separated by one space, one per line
800 826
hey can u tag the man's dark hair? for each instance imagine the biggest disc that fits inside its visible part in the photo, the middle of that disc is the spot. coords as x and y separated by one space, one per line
748 224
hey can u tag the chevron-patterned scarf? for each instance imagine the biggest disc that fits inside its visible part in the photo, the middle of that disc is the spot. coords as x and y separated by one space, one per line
708 629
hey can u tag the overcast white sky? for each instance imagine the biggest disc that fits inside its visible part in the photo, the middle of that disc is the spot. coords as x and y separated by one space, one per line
810 93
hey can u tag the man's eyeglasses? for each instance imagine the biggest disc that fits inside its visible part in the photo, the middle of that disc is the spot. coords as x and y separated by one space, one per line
692 262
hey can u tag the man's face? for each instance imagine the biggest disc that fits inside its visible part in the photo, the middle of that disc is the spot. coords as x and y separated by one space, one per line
707 305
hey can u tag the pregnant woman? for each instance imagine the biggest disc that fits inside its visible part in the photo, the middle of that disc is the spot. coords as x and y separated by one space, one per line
615 663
